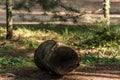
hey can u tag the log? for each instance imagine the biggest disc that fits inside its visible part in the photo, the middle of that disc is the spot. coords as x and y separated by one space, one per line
56 57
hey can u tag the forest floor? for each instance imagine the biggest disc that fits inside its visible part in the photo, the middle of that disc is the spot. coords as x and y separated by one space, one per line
86 73
27 39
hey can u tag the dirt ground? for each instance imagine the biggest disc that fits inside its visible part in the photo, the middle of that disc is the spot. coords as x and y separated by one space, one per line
111 72
81 73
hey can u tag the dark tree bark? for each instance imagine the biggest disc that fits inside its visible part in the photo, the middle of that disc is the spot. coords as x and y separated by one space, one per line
9 19
55 57
106 12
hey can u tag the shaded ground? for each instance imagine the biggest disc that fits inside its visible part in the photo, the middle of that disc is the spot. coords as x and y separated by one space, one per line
111 72
82 73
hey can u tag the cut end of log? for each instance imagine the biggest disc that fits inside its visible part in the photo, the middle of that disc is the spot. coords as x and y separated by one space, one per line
57 58
64 60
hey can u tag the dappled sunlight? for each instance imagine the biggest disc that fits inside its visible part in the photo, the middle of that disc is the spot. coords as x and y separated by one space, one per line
82 38
24 33
99 62
2 32
24 41
59 40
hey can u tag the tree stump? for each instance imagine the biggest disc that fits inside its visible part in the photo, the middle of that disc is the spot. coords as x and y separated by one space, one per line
56 57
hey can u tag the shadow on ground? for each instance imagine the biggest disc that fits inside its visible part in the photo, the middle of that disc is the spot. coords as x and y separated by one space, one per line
111 72
81 73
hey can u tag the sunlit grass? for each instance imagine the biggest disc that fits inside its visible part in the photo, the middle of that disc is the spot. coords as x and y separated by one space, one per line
78 37
84 39
97 60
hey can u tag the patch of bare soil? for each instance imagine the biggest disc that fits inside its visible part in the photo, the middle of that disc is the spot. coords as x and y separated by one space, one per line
81 73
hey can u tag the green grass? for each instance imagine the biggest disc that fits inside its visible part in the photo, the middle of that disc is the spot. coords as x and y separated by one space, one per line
83 38
11 63
16 61
97 60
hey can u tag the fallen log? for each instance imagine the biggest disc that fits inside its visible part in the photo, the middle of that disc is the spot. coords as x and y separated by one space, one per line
55 57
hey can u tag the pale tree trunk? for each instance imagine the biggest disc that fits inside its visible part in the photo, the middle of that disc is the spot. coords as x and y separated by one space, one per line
106 12
9 19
